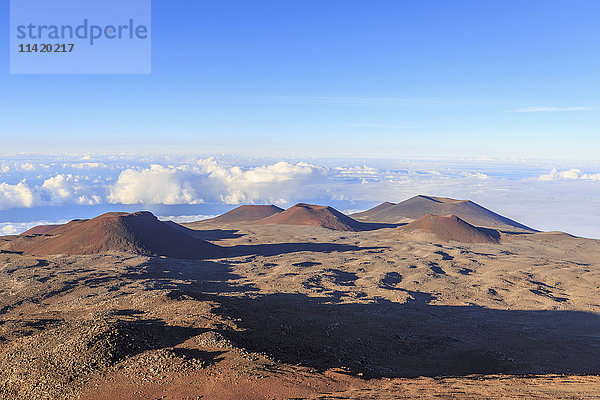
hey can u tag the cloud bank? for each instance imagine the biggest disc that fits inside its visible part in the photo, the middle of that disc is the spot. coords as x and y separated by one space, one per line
209 181
194 186
191 182
13 196
155 185
573 174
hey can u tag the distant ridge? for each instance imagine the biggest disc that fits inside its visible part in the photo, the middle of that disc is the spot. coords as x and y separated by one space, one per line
448 228
419 206
313 215
40 229
373 211
137 233
246 213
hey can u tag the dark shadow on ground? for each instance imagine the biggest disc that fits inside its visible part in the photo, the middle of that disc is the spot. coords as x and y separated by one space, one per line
377 338
285 248
373 226
207 234
384 338
199 276
10 252
217 234
135 335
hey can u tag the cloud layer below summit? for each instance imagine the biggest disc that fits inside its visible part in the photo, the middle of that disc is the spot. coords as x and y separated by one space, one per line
533 193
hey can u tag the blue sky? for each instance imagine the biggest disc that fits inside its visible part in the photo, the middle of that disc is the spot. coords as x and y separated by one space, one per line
347 103
510 79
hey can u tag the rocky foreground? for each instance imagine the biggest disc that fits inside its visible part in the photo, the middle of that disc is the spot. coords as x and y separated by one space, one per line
306 312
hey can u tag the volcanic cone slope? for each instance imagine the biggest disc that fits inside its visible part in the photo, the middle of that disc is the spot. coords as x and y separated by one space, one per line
419 206
448 228
308 214
246 213
138 233
40 230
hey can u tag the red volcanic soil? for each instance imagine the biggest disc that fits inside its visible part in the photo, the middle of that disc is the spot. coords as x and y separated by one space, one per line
247 213
308 214
420 206
451 228
138 233
375 211
40 229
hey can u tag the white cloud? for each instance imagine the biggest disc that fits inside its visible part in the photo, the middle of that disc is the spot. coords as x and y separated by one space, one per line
60 187
476 175
86 165
27 167
591 177
9 229
508 187
155 185
16 228
207 180
551 109
69 189
277 183
185 218
573 174
357 170
15 196
4 168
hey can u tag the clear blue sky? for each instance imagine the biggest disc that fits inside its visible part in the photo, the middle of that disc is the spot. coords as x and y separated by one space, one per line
332 77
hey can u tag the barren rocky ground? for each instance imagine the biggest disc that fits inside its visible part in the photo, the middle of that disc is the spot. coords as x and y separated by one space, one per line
306 312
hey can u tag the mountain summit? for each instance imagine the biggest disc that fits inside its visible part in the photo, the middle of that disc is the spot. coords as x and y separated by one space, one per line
420 206
246 213
309 214
448 228
137 233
